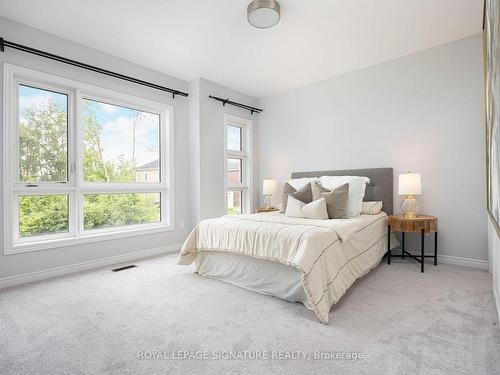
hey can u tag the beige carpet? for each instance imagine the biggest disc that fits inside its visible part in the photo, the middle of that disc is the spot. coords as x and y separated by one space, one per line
404 322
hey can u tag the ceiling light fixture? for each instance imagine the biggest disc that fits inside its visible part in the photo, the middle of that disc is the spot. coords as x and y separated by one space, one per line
263 13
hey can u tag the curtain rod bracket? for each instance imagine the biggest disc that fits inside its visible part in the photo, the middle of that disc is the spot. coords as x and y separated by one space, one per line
2 45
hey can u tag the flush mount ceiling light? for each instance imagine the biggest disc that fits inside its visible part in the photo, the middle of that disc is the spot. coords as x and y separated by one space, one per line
263 13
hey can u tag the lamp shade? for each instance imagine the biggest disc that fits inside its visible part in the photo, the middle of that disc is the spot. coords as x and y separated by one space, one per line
269 186
410 184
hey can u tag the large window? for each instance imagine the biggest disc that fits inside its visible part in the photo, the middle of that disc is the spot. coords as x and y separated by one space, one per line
83 163
238 165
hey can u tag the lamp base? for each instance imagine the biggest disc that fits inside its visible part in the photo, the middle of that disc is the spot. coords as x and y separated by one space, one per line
410 207
411 216
268 201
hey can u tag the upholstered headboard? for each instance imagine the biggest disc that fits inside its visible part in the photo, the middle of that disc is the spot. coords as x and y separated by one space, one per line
380 187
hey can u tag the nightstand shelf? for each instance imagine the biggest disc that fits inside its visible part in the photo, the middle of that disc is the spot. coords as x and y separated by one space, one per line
421 224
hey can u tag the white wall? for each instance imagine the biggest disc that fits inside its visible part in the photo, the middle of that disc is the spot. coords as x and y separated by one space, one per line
41 260
423 112
207 140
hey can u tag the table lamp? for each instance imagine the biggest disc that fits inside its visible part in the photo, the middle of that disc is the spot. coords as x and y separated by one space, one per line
410 185
268 188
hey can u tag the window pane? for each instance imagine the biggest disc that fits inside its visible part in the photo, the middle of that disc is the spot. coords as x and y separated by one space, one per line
43 135
233 137
120 209
234 202
120 144
233 171
42 214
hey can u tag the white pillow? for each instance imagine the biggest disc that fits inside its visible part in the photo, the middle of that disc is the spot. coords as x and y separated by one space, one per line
294 207
299 183
371 208
357 186
314 210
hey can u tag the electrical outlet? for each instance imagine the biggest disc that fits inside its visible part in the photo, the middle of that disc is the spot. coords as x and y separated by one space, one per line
181 224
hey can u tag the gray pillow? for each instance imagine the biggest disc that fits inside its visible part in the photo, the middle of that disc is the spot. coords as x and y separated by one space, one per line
317 189
336 201
304 194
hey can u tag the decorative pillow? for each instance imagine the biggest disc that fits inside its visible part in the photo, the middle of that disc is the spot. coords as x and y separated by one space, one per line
294 207
315 210
357 186
336 201
304 194
299 183
317 189
287 190
371 208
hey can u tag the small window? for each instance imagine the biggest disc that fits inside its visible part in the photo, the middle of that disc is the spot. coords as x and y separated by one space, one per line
234 171
233 138
238 168
234 206
43 135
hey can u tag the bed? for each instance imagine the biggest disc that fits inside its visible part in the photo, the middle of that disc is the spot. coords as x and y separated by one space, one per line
309 261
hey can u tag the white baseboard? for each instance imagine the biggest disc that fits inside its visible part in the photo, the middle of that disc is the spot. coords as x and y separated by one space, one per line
64 270
464 262
458 261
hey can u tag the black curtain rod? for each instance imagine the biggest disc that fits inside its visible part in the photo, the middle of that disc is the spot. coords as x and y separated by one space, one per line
4 43
239 105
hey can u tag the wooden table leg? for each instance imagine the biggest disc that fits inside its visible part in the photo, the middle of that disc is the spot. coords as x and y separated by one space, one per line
388 244
402 245
422 240
435 248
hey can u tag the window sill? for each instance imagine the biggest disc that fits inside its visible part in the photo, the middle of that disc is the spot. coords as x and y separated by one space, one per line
85 238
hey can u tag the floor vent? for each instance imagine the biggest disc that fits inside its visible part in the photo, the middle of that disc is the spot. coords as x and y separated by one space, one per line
124 268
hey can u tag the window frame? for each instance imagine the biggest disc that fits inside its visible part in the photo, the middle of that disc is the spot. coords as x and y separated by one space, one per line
245 155
76 187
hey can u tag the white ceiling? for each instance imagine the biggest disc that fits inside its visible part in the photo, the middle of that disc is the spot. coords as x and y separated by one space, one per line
315 39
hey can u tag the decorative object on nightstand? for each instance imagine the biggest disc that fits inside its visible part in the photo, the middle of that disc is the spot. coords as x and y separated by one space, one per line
265 209
268 189
421 224
410 185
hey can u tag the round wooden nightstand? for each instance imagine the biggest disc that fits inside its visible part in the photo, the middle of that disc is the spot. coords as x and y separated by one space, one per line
265 209
422 224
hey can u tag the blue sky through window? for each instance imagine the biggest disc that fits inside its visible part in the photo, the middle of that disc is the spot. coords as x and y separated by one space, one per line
31 97
117 132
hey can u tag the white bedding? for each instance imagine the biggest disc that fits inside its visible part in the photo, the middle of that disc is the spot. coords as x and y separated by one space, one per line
329 254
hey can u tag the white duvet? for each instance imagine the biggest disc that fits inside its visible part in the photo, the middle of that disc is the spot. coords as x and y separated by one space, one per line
329 254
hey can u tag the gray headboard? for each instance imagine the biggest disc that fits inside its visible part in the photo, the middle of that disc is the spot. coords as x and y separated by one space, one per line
380 187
